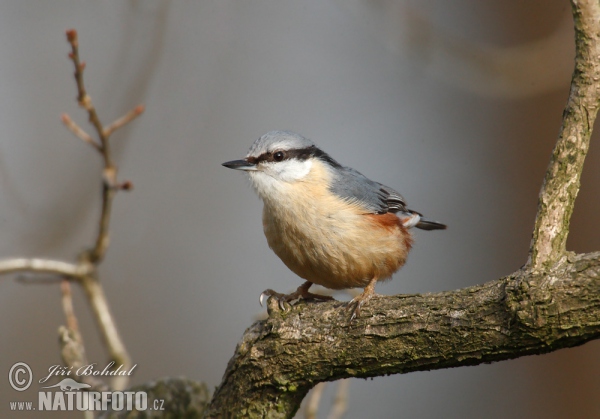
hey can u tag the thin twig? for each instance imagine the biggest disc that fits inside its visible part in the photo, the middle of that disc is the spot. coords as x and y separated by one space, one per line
339 405
313 399
124 120
79 132
84 100
45 266
91 285
71 343
96 254
67 303
72 349
340 402
108 328
85 270
562 180
109 174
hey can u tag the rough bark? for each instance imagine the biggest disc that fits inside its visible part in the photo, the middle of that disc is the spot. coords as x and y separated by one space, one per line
177 398
280 359
562 180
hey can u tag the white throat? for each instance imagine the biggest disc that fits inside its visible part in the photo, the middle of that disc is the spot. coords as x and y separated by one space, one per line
274 178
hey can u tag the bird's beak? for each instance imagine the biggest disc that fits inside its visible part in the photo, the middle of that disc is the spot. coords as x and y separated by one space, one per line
240 165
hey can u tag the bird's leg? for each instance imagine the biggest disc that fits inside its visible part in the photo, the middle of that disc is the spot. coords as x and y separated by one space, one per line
301 292
358 301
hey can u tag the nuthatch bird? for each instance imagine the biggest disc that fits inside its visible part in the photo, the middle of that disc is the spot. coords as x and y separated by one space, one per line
328 223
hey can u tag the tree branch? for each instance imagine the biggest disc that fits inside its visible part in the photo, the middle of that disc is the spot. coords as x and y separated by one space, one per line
85 270
46 266
561 184
109 174
280 359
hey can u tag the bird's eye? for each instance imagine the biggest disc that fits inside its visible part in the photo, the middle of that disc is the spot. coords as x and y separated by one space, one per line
278 156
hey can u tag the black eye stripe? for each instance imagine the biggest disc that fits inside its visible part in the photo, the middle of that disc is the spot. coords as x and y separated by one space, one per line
297 153
281 155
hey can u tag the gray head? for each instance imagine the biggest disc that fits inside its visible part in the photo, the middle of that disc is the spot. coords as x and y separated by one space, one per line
278 140
282 156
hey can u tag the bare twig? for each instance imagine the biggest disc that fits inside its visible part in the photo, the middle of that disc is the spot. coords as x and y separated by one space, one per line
124 120
109 174
313 399
85 270
340 402
67 303
90 283
339 405
561 184
108 327
44 266
84 100
96 254
71 347
71 342
79 132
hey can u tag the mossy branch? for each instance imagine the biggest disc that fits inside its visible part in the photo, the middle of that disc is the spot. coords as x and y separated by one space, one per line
280 359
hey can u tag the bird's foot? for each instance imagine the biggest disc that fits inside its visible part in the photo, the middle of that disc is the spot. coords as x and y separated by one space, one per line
280 298
357 302
301 292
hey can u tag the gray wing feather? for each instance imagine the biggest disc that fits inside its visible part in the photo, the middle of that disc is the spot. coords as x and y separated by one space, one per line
351 185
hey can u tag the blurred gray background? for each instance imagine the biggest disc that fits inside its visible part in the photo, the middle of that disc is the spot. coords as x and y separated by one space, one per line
455 104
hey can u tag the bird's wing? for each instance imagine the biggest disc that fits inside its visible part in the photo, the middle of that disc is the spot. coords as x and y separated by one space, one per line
352 186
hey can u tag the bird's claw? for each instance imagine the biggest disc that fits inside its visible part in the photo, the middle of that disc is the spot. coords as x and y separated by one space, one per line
355 307
281 298
260 299
356 304
300 293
